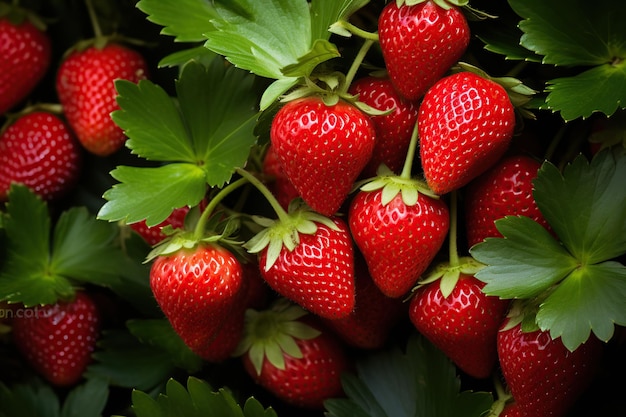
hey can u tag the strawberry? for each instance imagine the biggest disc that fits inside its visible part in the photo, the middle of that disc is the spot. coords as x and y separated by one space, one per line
26 54
85 87
58 339
505 189
398 238
466 123
197 289
374 317
393 130
464 324
318 273
420 43
322 149
511 410
280 185
544 377
40 151
292 356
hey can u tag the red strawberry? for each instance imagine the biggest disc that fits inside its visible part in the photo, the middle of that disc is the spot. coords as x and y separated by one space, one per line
58 339
466 123
289 354
505 189
322 149
280 185
318 274
420 43
25 52
393 130
85 86
511 410
464 325
398 240
544 377
197 289
374 315
40 151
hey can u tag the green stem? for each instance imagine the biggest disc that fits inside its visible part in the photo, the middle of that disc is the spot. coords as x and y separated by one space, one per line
280 211
94 20
372 36
410 155
356 64
452 235
206 214
555 142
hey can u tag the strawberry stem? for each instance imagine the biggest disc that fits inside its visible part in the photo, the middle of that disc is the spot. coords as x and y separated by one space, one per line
280 211
410 155
97 31
206 214
452 233
356 64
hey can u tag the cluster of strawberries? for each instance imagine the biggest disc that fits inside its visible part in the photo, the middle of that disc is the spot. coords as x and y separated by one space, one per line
321 282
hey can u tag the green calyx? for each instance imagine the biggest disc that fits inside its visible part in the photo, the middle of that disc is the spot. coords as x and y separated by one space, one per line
271 334
448 274
285 231
444 4
391 185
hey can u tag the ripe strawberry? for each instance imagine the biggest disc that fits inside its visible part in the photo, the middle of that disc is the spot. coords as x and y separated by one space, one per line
511 410
26 53
85 87
40 151
505 189
289 353
197 289
544 377
464 325
420 43
393 130
318 274
322 149
280 185
466 123
58 339
398 240
374 315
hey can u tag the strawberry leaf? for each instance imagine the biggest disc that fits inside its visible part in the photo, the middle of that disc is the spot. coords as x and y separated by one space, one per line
43 265
125 362
203 137
585 205
87 400
198 400
186 20
419 382
159 333
581 287
573 35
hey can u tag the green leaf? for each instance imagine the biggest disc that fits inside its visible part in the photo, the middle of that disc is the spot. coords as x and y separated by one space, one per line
198 400
152 193
585 205
261 37
159 333
83 248
33 399
504 38
420 382
321 51
87 400
572 33
527 261
599 89
589 299
124 361
186 20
